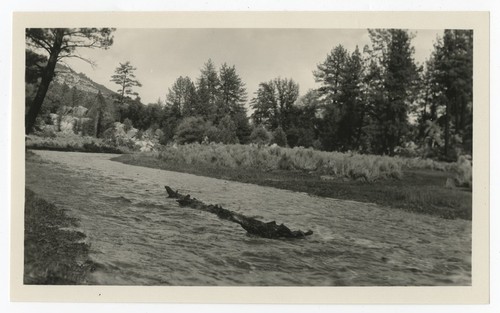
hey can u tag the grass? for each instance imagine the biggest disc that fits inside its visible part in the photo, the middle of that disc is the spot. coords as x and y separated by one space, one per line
54 253
71 142
268 158
395 182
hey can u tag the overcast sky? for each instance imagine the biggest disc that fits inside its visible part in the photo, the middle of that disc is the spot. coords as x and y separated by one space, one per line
162 55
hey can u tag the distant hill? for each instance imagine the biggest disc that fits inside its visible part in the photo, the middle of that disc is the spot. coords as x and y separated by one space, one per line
66 75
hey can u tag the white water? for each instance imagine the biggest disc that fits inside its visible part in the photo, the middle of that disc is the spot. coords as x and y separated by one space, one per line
139 237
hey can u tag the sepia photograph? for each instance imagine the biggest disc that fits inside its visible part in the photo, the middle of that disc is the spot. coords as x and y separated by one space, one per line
249 156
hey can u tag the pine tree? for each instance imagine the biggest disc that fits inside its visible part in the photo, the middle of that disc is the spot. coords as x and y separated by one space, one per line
341 78
392 88
452 74
231 103
274 101
124 77
100 107
208 91
182 99
232 92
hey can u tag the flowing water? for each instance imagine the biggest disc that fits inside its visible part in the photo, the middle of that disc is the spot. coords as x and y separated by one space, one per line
139 237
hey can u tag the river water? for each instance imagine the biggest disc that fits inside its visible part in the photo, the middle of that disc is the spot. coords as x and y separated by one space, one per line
139 237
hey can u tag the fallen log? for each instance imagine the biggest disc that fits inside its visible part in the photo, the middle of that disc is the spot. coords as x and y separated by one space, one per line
253 226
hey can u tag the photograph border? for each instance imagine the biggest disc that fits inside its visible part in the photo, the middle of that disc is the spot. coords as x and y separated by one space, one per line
477 293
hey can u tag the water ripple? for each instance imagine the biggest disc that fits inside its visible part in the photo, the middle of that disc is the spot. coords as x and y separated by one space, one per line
139 237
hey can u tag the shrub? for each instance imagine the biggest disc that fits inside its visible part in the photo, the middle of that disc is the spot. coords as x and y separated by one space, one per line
127 125
47 132
227 131
463 172
88 127
279 137
190 130
354 166
72 142
260 136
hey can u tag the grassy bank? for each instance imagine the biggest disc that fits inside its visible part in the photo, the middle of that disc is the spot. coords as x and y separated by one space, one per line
54 254
71 142
415 188
268 158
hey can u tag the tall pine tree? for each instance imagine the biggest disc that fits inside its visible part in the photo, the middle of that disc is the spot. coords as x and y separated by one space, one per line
341 78
452 74
395 77
182 98
232 97
208 91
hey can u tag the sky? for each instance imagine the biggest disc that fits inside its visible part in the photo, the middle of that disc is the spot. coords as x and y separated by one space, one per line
162 55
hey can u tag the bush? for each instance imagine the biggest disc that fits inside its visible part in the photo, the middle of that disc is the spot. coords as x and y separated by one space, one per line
264 158
463 172
47 132
260 136
279 137
127 125
88 128
191 130
72 142
227 131
300 137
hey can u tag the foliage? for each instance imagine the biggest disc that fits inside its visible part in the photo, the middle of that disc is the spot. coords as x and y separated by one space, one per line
375 101
232 92
208 91
393 77
127 125
273 105
60 43
88 128
34 66
449 72
227 131
260 135
258 157
72 142
463 172
125 78
191 129
304 122
100 114
279 137
182 97
341 77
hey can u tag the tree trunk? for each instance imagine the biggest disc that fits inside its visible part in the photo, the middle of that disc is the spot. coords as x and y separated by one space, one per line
48 74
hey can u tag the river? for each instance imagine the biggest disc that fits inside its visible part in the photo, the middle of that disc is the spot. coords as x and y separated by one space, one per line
139 237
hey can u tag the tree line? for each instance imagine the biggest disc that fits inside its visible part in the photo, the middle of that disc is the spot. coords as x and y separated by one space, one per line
210 108
378 100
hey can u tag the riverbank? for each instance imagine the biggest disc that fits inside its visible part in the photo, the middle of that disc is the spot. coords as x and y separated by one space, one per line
71 143
419 190
54 253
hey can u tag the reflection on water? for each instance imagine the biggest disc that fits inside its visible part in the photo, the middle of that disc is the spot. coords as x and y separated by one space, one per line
139 237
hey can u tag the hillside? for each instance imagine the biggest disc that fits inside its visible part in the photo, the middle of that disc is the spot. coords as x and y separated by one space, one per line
66 75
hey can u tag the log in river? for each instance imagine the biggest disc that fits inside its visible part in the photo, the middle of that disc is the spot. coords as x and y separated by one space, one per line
251 225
